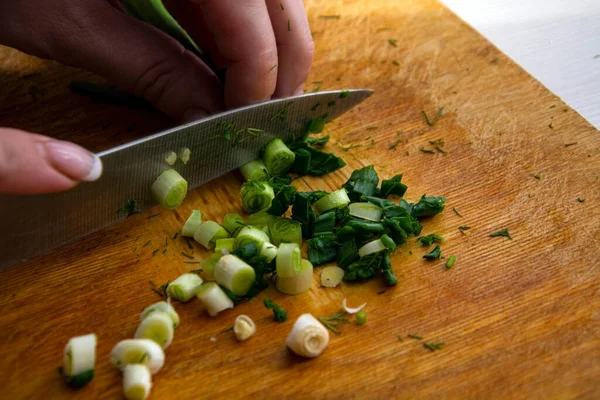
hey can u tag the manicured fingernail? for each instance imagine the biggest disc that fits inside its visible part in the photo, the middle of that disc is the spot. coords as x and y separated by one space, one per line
73 161
194 115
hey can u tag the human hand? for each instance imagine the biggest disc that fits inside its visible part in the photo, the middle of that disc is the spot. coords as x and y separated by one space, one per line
249 37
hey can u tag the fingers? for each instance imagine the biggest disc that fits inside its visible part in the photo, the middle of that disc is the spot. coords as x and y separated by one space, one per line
31 163
96 36
295 46
244 36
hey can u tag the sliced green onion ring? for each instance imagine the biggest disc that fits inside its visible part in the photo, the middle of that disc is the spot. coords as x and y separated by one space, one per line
184 155
278 158
137 381
233 223
80 360
372 247
285 230
298 282
388 242
268 251
331 276
256 196
214 298
254 170
157 326
164 307
138 351
366 211
333 200
171 158
184 287
208 233
250 234
169 189
234 274
261 218
225 246
192 224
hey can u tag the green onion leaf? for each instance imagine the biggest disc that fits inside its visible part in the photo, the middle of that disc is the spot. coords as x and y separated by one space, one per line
324 223
334 200
233 223
393 186
279 314
429 239
284 197
429 206
347 253
303 212
317 142
436 253
362 182
316 125
321 249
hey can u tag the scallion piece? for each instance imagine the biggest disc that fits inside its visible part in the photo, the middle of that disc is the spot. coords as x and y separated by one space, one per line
192 224
321 249
234 274
261 218
308 337
184 155
137 382
214 298
171 158
388 242
285 230
184 287
256 196
332 201
243 327
162 306
251 234
366 211
347 253
372 247
268 251
79 360
169 189
208 233
208 267
361 317
225 246
331 276
301 163
233 223
324 223
254 170
138 351
294 275
278 158
157 326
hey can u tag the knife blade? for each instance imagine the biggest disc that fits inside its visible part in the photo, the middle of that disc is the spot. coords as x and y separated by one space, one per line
34 224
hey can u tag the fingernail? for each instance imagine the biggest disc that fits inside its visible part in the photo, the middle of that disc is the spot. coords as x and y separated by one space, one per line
194 115
73 161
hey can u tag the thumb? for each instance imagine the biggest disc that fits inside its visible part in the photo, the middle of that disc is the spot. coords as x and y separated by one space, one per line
31 163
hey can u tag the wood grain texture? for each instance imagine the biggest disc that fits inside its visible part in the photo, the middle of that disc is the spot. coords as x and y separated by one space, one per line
520 318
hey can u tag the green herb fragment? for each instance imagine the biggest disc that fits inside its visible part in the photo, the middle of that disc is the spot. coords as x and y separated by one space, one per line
429 239
434 346
321 249
362 182
187 255
339 318
189 244
254 130
450 262
580 199
428 151
436 253
537 176
175 235
313 108
147 243
392 186
413 336
317 142
503 232
344 93
330 16
312 161
281 114
130 207
279 314
435 119
372 128
456 212
160 290
154 252
273 67
361 317
393 42
438 148
395 144
464 228
400 338
153 215
164 251
570 144
396 63
331 103
316 125
193 262
550 125
429 206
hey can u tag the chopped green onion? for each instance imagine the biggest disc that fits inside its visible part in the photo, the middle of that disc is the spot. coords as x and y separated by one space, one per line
279 314
162 306
184 288
138 351
429 239
79 360
250 234
284 197
372 247
268 251
256 196
137 382
331 276
227 244
347 253
334 200
308 337
208 233
317 125
278 158
366 211
169 189
429 206
285 230
361 317
208 267
254 170
157 326
393 186
233 223
214 298
243 327
184 155
294 276
301 163
261 218
234 274
321 249
436 253
324 223
362 182
503 232
192 224
388 242
171 158
303 212
344 93
450 262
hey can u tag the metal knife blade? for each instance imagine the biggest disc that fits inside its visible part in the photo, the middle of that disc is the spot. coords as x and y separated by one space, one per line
34 224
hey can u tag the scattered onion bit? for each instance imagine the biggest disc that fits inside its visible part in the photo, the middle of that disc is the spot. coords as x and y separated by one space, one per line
352 310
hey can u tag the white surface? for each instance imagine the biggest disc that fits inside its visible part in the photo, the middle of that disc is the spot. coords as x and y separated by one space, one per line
556 41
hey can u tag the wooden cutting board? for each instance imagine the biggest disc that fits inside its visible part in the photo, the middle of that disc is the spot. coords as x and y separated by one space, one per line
519 318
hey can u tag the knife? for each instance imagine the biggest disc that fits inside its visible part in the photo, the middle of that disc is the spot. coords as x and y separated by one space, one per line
34 224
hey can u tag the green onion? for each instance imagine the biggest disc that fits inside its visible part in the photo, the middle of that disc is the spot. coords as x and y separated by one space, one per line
392 186
250 234
366 211
372 247
243 327
303 212
301 163
158 327
429 239
233 223
79 360
254 170
278 158
227 244
256 196
321 249
362 182
214 298
294 275
308 337
208 267
334 200
436 253
138 351
347 253
192 224
137 381
324 223
450 262
284 197
171 158
184 288
361 317
344 94
316 125
162 306
388 242
279 314
503 232
261 218
429 206
285 230
184 155
208 233
169 189
234 274
268 251
331 276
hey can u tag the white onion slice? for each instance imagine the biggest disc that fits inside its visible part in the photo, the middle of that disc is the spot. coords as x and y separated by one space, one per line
350 310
